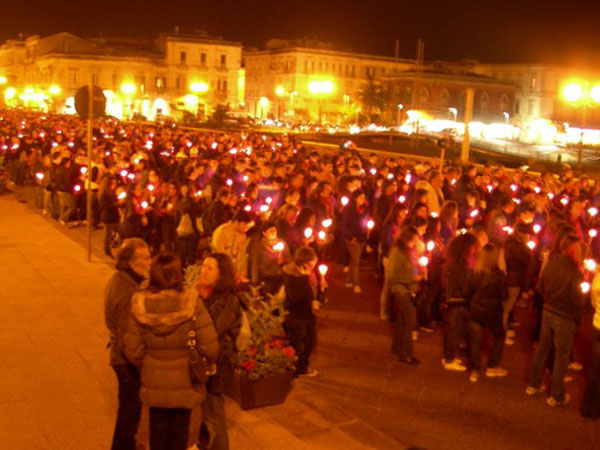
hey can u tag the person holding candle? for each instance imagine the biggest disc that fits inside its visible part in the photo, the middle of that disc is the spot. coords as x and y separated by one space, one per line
560 286
301 304
354 232
269 258
402 280
486 312
109 211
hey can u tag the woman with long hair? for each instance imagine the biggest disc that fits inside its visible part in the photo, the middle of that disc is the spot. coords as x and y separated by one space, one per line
486 312
461 256
217 288
403 284
449 221
162 318
109 210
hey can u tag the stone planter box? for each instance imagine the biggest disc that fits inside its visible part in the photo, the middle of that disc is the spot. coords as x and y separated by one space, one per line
262 392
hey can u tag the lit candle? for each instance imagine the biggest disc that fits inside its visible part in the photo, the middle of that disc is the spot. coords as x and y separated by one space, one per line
247 208
327 223
373 171
593 233
531 245
585 287
590 264
83 170
39 176
434 215
264 208
323 269
390 176
322 235
245 178
430 246
144 204
551 196
564 201
537 189
593 211
408 177
508 230
131 176
150 187
77 188
537 228
308 232
490 188
229 182
278 247
513 187
269 200
402 199
198 193
474 213
370 224
123 173
344 200
122 195
423 261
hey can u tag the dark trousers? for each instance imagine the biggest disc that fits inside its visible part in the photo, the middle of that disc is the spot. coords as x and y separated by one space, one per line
458 318
590 406
405 321
497 332
213 432
559 332
169 428
302 333
109 231
187 250
130 407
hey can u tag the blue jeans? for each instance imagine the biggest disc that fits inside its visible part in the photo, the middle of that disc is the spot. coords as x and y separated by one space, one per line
405 322
213 432
458 320
559 332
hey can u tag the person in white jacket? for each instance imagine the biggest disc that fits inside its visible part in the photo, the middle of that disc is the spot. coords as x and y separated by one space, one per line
590 406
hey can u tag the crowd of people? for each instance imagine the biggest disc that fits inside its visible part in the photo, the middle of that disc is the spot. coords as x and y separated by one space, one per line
458 248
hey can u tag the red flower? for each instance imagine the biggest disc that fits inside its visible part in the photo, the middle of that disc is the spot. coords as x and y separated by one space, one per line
252 350
276 344
249 365
289 352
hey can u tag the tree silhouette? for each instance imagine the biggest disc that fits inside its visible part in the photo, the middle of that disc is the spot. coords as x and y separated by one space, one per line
373 97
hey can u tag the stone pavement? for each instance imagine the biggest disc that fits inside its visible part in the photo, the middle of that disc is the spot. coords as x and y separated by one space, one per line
58 392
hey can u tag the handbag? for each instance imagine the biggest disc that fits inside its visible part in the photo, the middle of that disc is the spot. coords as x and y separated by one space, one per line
199 366
185 227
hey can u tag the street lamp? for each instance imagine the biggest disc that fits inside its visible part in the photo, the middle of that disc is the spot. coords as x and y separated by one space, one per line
574 93
3 79
199 87
264 103
320 89
54 90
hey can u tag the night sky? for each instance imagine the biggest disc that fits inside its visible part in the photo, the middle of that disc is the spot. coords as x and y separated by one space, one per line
556 31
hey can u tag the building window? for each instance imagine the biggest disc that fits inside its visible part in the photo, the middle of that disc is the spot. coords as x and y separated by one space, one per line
224 85
533 82
115 81
353 71
178 82
445 99
517 106
424 97
223 60
95 79
484 102
203 58
73 77
182 57
504 102
530 107
160 82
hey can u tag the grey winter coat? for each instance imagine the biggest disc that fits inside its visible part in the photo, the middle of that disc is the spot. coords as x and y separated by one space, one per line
156 340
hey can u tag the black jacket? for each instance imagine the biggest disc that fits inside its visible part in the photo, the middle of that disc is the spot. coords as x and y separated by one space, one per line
109 211
560 286
460 284
490 291
299 294
518 259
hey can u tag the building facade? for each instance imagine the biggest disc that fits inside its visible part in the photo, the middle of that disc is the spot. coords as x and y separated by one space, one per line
310 80
539 94
177 72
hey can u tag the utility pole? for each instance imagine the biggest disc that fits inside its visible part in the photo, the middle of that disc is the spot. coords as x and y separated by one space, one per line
89 165
464 154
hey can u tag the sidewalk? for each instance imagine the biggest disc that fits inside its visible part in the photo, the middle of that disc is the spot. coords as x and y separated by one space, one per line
57 391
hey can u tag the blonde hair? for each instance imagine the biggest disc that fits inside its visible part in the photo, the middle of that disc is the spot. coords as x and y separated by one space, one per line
487 260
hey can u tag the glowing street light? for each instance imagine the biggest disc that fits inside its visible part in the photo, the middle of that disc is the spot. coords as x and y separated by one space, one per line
128 88
572 92
54 90
199 87
10 93
3 79
585 287
595 94
279 91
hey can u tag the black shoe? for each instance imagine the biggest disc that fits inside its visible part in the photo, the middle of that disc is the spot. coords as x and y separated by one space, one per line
109 254
411 361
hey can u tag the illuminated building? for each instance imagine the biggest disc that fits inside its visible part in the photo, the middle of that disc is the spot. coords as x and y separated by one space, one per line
304 78
439 89
539 92
139 77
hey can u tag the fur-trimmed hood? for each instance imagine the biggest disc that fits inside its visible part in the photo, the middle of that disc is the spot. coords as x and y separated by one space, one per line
164 311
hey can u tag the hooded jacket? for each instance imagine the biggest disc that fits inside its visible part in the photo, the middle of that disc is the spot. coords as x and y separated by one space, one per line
156 339
560 285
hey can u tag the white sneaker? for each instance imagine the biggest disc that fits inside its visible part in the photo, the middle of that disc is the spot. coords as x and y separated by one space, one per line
510 333
357 290
496 372
455 365
346 269
509 341
415 335
551 401
576 366
474 376
530 390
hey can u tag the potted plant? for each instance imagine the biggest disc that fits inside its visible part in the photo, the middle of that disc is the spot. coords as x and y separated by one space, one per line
264 369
